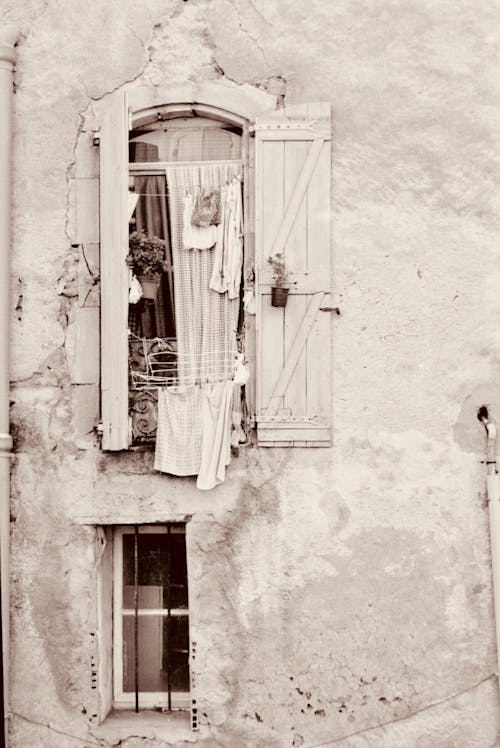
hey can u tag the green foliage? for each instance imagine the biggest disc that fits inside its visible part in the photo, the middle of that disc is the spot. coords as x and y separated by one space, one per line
147 254
280 271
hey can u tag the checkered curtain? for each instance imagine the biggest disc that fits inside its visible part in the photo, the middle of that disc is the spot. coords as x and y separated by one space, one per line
206 320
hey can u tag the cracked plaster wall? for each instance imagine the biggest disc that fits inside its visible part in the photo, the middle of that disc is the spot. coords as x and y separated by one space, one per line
335 593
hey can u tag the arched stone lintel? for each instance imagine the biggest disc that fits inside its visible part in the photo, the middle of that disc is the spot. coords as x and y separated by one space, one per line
217 99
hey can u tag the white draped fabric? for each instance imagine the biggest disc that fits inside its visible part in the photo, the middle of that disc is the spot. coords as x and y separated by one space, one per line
205 319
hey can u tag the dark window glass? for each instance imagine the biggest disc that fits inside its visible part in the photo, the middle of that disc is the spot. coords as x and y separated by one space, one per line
163 653
162 570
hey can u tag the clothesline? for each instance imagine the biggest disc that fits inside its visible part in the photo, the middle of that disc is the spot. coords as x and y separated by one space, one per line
161 365
234 178
152 165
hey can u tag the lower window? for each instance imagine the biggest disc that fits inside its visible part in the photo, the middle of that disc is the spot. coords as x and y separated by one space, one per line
150 618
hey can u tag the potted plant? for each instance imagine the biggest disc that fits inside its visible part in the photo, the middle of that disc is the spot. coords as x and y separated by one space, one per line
279 289
146 257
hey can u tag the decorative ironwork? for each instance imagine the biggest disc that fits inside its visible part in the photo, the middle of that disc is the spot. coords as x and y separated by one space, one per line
143 402
143 410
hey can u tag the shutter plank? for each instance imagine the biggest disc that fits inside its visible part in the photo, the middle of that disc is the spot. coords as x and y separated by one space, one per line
319 266
295 393
114 274
319 201
295 159
271 198
296 154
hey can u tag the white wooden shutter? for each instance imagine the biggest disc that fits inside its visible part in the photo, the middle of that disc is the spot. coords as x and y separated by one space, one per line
114 273
293 215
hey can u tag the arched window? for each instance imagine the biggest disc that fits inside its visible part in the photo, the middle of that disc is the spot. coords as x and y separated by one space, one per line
146 171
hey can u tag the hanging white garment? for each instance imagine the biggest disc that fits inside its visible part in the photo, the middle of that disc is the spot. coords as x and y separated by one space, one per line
226 274
178 436
235 241
196 237
135 292
215 433
249 301
241 377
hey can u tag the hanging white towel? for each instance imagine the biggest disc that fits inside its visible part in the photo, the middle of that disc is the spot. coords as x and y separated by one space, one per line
196 237
178 436
215 433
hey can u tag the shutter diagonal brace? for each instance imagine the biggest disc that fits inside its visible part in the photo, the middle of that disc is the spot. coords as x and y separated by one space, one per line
294 354
298 195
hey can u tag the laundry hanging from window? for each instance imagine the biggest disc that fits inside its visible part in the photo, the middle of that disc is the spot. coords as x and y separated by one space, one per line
195 415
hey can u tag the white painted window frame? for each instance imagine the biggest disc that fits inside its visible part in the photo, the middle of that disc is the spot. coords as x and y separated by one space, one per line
180 700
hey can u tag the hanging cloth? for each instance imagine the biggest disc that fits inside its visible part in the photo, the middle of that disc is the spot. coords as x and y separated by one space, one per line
226 273
196 237
178 435
216 402
206 208
206 320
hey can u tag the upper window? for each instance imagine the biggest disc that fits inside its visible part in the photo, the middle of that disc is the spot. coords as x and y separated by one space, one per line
203 314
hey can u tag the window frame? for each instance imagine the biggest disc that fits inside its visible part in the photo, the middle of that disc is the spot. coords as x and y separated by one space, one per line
179 700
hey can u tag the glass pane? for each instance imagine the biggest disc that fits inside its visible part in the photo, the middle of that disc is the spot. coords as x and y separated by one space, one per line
163 653
162 570
155 316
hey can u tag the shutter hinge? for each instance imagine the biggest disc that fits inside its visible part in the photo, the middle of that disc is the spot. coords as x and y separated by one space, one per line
96 138
330 309
99 428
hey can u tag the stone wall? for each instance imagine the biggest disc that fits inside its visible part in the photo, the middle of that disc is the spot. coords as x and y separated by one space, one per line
339 596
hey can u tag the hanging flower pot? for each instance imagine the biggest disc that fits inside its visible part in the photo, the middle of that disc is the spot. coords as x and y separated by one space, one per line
279 292
146 258
150 287
279 296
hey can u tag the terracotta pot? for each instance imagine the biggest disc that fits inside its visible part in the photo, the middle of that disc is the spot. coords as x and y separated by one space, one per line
150 287
279 296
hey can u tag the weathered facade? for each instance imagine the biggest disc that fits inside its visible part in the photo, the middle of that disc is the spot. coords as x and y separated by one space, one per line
339 595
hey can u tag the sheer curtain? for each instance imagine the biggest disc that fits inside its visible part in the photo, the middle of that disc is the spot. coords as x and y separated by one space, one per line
206 320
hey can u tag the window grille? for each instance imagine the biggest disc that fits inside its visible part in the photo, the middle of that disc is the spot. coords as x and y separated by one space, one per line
151 650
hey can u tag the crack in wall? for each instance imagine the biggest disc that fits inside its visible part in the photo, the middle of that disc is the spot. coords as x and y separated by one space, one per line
57 730
245 30
426 708
84 112
260 13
